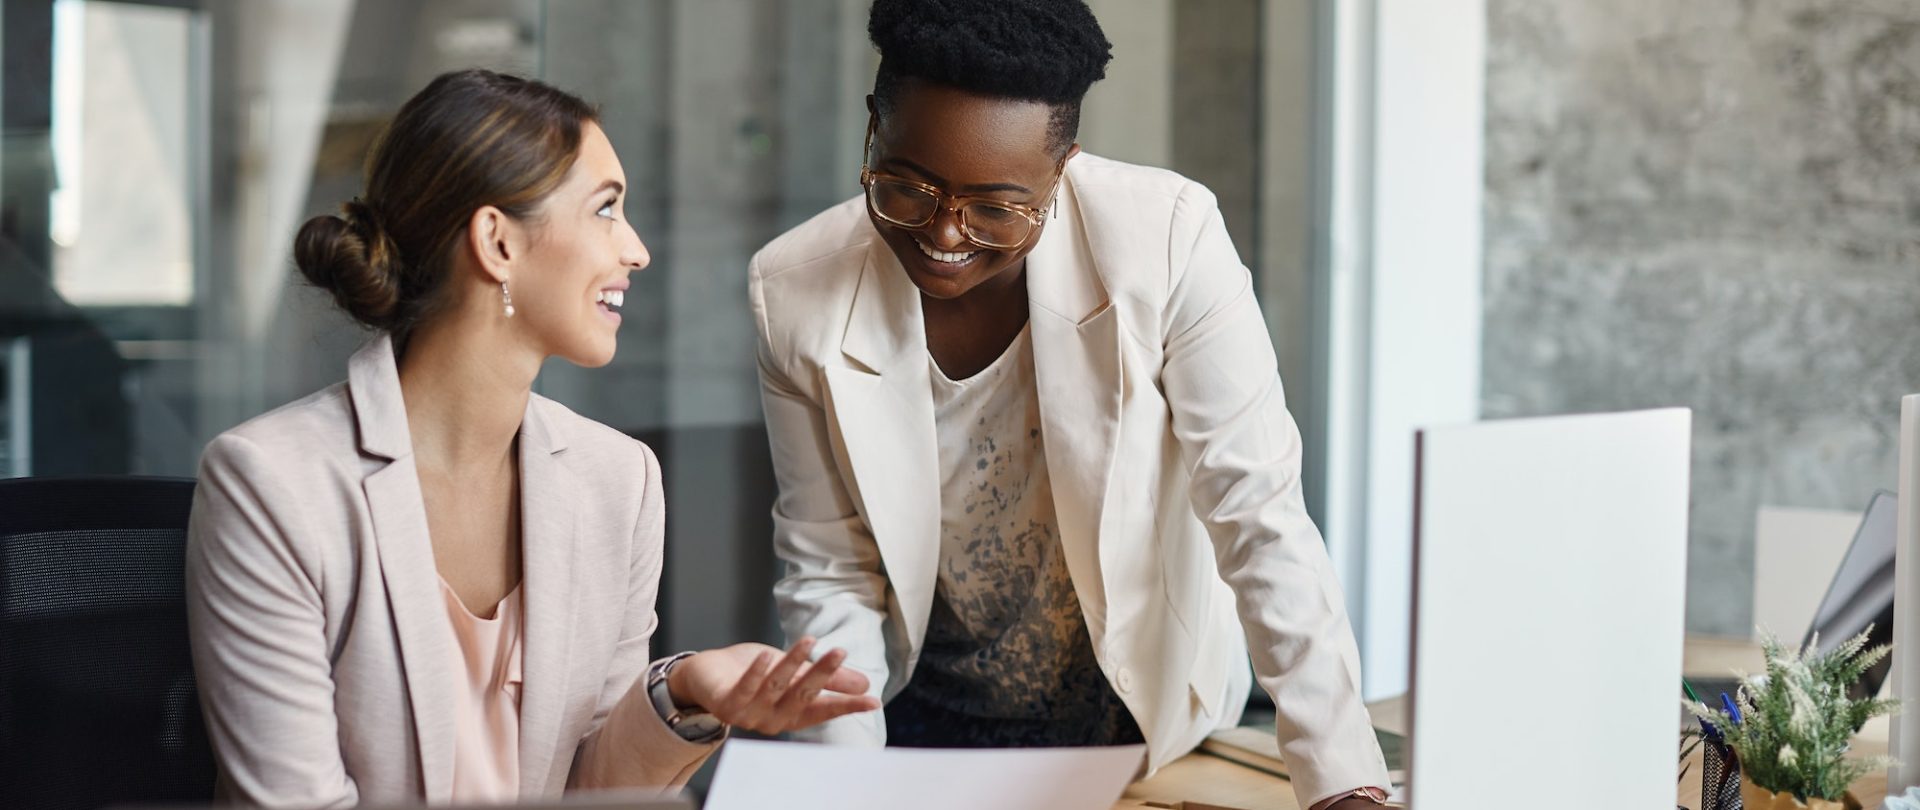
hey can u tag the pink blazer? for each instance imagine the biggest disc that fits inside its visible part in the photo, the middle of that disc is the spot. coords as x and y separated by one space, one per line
319 637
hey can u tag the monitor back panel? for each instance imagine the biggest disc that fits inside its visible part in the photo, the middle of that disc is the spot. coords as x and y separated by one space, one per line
1549 604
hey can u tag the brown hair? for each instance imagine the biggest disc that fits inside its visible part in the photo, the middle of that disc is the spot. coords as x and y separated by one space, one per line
471 138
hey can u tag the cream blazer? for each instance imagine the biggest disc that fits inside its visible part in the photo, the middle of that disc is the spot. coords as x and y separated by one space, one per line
1175 468
320 640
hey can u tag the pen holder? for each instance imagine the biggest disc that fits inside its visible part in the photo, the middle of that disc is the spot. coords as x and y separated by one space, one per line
1719 777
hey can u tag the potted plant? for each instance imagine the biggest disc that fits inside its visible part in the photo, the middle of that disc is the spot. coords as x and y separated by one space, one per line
1791 727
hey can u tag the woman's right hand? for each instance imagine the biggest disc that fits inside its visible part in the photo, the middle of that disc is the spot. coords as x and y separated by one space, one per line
757 688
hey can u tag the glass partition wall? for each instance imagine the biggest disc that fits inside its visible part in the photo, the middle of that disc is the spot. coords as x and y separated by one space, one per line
158 157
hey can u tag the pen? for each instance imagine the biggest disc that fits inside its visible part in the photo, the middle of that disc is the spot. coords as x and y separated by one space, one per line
1705 727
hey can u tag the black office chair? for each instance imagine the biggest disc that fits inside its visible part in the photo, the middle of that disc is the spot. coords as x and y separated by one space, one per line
97 697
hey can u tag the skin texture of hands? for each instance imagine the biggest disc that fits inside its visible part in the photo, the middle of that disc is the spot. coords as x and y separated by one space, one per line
758 688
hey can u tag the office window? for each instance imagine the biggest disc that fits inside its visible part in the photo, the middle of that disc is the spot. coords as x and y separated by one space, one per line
160 155
122 201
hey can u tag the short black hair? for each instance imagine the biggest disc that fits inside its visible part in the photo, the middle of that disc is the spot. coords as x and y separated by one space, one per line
1048 51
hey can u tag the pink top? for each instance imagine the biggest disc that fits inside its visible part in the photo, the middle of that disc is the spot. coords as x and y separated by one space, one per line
486 700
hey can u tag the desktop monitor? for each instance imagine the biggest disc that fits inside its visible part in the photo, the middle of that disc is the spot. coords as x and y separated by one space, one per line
1904 742
1549 602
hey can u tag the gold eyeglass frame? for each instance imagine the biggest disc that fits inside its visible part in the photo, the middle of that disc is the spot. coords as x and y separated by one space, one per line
1034 215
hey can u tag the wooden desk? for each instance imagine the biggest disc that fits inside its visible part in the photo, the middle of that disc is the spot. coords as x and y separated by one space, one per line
1720 657
1199 777
1204 778
1208 779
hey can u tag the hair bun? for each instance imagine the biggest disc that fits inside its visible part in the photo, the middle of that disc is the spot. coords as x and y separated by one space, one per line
471 139
353 258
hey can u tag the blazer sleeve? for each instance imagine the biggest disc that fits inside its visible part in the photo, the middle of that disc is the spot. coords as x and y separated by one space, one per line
1242 447
629 744
833 588
258 633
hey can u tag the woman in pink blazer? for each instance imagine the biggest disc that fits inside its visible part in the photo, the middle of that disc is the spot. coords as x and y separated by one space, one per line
426 582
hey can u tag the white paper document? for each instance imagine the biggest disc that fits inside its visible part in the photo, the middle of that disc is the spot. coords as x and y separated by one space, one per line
754 775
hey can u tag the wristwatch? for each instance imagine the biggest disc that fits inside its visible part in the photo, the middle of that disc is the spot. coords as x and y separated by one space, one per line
693 724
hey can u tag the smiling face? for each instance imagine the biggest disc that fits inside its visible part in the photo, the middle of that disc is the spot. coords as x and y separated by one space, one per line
573 277
969 146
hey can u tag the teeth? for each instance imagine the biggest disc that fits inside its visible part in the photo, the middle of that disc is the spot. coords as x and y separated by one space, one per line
614 299
943 256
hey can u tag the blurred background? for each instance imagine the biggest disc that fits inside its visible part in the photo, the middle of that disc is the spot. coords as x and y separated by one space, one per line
1452 210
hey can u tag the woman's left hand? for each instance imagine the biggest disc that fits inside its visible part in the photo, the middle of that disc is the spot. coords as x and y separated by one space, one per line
757 688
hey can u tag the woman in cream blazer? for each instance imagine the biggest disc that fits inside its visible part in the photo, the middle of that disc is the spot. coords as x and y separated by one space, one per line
427 583
1175 468
1173 463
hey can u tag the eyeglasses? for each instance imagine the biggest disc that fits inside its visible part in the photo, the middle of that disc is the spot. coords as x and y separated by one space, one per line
911 204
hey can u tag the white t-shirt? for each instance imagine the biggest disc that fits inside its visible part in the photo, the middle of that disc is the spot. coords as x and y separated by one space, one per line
1006 640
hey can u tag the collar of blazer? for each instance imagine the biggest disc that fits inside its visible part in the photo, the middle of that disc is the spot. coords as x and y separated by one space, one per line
373 382
884 405
398 510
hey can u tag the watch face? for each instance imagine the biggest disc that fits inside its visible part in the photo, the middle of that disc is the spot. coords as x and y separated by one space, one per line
699 727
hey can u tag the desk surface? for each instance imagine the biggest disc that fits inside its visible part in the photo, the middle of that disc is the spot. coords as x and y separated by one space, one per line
1721 657
1211 781
1208 779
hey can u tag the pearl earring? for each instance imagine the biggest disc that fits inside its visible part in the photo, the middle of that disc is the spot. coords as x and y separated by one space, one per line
506 298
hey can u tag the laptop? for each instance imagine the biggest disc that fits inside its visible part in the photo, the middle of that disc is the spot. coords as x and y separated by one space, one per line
1859 595
1548 551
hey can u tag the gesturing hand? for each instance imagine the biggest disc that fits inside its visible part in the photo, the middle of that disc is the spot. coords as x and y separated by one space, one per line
755 687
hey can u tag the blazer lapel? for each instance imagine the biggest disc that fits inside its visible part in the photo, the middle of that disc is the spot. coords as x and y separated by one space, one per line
1077 369
406 560
547 488
884 412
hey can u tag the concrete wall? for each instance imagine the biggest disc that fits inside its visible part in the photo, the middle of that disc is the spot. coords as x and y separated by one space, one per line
1714 204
